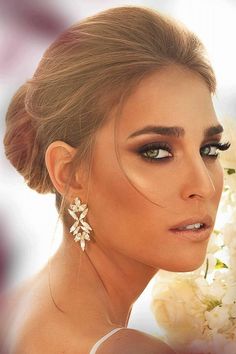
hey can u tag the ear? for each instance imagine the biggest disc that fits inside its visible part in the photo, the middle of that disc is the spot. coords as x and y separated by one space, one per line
58 159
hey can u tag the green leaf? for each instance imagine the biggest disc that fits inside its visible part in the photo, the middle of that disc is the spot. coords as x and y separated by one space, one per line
217 232
231 171
206 270
220 265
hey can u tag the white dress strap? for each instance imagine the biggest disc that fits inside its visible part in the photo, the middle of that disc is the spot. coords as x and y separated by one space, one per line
101 340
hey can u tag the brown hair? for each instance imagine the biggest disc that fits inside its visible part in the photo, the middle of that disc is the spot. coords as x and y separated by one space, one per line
89 69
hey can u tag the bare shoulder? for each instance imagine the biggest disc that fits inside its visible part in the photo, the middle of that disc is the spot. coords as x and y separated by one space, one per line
129 341
32 327
10 301
42 337
37 333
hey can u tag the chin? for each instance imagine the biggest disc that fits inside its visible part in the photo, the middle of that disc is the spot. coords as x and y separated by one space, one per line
186 265
189 267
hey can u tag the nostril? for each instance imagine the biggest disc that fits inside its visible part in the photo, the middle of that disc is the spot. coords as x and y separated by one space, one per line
195 195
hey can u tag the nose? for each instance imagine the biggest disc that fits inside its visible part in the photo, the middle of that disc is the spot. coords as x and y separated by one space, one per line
197 180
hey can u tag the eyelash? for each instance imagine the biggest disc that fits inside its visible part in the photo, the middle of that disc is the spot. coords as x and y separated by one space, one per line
164 146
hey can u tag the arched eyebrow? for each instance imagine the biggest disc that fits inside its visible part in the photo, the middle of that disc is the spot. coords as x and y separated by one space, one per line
176 132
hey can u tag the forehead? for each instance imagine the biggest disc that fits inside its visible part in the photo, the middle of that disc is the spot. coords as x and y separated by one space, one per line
172 96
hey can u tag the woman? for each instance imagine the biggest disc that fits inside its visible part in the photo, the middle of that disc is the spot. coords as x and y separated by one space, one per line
118 122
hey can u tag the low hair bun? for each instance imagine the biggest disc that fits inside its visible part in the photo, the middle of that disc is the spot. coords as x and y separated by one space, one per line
21 144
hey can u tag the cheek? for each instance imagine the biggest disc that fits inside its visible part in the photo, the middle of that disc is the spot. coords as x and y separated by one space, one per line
115 207
120 216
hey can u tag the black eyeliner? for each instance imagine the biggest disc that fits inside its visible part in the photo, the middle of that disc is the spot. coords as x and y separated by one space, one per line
165 146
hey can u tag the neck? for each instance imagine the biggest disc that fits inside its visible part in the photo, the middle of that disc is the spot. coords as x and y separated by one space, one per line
100 282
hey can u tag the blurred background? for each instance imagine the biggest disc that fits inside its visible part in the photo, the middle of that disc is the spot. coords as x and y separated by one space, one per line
28 232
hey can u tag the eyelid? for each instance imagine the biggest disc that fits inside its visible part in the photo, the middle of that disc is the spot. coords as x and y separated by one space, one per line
157 145
165 144
217 140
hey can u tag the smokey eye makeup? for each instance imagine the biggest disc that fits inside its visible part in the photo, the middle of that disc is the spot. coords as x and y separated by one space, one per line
153 152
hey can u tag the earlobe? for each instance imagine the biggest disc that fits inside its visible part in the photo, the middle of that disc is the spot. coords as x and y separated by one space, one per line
58 158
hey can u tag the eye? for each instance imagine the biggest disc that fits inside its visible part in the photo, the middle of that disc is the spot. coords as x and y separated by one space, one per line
155 151
213 147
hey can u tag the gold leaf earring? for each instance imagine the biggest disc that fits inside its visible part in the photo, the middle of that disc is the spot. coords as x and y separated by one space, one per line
85 227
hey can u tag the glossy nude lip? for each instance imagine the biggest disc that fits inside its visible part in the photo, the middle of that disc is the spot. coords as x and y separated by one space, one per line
199 235
206 220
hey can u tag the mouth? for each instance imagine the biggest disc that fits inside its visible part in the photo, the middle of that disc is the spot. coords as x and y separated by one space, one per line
194 229
195 223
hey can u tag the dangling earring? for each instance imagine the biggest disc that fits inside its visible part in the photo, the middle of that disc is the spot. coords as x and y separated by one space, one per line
77 206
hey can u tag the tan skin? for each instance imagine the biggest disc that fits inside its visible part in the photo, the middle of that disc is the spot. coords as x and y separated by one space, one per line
131 239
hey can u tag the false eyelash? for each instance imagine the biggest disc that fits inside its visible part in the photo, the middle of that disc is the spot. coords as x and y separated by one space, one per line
220 146
161 145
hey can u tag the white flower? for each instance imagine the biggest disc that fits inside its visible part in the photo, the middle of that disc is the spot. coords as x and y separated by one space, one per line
179 311
230 295
217 317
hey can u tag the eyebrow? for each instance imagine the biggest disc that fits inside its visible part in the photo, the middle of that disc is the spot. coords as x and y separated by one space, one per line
175 131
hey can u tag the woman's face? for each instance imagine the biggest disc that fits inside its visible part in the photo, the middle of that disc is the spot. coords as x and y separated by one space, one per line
187 183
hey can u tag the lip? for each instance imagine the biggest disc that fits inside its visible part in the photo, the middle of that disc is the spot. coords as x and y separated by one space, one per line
193 235
206 220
